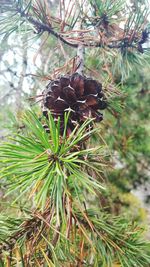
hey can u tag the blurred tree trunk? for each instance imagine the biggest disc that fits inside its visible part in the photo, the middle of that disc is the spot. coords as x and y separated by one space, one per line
23 69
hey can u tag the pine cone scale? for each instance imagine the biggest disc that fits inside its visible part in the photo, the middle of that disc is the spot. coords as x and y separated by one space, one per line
82 96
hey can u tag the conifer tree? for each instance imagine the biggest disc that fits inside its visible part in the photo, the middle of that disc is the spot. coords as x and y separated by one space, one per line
57 166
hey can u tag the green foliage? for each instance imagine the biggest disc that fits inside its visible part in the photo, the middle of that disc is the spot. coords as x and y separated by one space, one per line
108 7
129 139
105 240
55 167
127 61
50 162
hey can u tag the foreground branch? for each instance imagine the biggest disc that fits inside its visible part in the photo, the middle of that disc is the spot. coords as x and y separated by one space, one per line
42 27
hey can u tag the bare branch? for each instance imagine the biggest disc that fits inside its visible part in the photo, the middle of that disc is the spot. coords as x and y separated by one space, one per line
80 60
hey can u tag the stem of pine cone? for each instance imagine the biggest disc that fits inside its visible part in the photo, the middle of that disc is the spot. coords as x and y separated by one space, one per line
80 60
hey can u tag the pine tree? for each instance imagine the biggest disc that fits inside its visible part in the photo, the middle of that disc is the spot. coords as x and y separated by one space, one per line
57 167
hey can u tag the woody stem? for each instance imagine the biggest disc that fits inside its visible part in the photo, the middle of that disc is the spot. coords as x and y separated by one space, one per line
80 58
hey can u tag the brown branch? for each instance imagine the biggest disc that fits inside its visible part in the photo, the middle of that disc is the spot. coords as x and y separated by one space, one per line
29 228
80 59
42 27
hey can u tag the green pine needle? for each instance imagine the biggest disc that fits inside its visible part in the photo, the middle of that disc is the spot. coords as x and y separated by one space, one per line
46 164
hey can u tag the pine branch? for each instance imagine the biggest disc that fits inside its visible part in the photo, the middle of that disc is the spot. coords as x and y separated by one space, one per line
54 163
43 27
114 36
102 234
46 28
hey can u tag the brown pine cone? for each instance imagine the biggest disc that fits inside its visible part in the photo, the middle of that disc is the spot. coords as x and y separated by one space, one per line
82 96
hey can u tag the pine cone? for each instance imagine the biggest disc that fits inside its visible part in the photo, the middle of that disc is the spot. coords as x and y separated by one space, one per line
82 96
